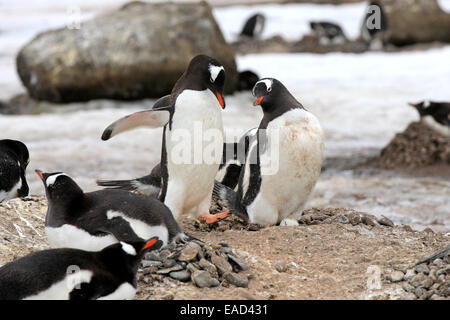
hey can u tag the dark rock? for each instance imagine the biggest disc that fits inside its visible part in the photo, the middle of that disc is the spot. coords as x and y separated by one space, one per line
368 221
208 266
118 56
168 263
221 264
203 279
239 262
385 222
169 270
183 275
237 279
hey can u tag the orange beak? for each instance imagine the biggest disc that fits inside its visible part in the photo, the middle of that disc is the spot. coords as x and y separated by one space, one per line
150 243
412 104
39 173
258 101
220 99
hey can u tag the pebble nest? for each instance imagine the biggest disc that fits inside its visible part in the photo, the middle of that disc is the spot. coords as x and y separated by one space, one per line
429 279
416 147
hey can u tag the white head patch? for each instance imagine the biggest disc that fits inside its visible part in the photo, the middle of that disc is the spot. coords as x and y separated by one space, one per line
426 104
214 71
129 249
267 82
51 180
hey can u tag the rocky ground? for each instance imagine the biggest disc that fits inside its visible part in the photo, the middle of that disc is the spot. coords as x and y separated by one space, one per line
334 253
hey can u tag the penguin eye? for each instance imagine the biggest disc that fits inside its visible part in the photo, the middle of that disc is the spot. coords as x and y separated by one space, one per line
269 89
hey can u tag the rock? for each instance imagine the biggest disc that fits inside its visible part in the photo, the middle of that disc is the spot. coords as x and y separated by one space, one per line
385 222
237 279
150 263
203 279
396 276
183 275
407 287
368 221
422 268
410 273
354 218
153 256
188 254
427 283
280 266
419 292
208 266
438 262
169 270
239 262
221 264
136 52
418 279
342 219
409 296
168 296
168 263
164 254
415 21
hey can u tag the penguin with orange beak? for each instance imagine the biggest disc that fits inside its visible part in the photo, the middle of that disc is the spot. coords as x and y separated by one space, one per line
192 143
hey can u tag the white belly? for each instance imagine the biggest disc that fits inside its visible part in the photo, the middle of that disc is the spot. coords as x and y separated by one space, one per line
69 236
7 195
293 174
194 145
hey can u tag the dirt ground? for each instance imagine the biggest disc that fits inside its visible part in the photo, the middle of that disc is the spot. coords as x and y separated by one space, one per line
320 259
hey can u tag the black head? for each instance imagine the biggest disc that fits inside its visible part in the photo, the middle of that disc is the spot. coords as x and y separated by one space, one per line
59 186
20 150
273 97
204 73
423 107
123 258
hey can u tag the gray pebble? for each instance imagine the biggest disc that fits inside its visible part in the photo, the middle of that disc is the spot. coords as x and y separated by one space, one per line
368 221
221 264
203 279
407 287
438 263
410 273
396 276
151 263
419 292
237 279
152 255
385 222
226 250
168 263
208 266
418 279
280 266
188 254
169 270
422 268
239 262
183 275
342 219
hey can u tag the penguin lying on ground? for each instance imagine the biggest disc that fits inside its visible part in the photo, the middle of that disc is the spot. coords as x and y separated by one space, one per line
91 221
192 141
435 115
328 32
14 159
254 26
283 162
63 274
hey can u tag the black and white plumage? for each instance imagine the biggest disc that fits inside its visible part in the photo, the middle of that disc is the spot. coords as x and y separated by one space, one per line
94 220
328 32
283 161
192 109
435 115
375 25
254 26
63 274
14 159
246 80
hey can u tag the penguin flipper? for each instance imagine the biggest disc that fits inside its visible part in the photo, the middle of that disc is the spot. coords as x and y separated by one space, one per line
154 118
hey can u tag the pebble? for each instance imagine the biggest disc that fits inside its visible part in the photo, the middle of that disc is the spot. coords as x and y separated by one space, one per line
188 254
438 263
342 219
168 263
239 262
153 255
168 296
386 222
419 292
418 279
354 218
221 264
410 273
422 268
208 266
203 279
151 263
280 266
407 287
183 275
396 276
368 221
237 279
169 270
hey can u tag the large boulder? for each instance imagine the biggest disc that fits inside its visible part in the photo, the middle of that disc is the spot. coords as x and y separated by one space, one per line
415 21
136 52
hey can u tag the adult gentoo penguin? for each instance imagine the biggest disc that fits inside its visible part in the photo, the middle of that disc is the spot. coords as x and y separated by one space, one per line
288 136
192 141
435 115
63 274
91 221
328 32
254 26
14 159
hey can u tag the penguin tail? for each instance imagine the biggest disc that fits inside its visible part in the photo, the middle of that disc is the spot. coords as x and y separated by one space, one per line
230 198
130 185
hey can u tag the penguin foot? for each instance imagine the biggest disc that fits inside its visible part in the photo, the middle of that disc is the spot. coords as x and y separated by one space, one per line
213 218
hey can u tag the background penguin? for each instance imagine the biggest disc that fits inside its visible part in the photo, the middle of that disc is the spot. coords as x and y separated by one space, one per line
328 32
62 274
246 80
374 36
254 26
91 221
435 115
270 197
194 107
14 159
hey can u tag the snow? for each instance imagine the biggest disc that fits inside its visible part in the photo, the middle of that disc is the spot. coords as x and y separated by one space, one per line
360 100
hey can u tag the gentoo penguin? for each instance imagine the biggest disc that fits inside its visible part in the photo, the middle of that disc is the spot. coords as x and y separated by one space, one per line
14 159
374 26
254 26
246 80
91 221
283 162
435 115
192 141
65 273
328 32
